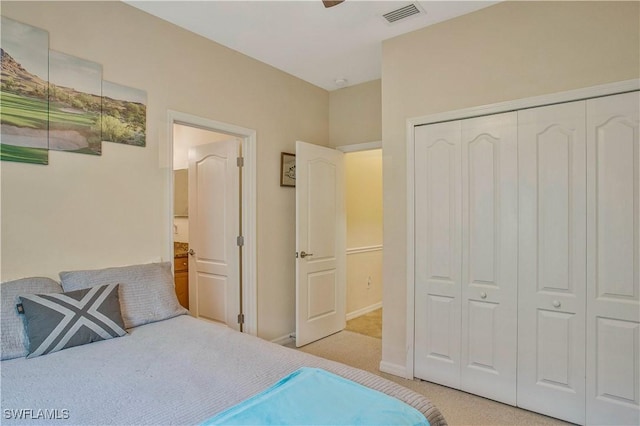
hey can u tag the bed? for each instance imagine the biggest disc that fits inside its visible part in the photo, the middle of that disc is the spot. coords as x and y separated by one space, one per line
173 370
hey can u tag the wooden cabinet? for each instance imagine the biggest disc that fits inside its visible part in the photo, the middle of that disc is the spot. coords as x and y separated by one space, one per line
181 278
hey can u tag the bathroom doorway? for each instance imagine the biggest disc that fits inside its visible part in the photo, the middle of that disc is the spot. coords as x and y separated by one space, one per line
221 283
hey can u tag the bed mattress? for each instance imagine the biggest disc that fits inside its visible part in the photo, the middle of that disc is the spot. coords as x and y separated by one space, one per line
177 371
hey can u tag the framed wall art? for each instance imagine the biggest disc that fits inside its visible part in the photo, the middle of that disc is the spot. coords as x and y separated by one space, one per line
287 169
50 100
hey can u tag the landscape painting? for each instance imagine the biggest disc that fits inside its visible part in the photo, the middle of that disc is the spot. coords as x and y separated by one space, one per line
75 104
24 93
124 114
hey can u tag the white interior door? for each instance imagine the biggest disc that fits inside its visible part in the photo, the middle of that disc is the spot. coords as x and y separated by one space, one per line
214 204
613 260
320 242
490 256
552 227
437 253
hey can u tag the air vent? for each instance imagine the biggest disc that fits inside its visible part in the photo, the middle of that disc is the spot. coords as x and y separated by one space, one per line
402 13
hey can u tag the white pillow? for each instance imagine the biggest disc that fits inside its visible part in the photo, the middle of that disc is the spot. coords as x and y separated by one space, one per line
147 292
15 343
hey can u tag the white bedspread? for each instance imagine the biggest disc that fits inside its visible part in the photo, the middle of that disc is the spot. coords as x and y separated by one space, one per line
177 371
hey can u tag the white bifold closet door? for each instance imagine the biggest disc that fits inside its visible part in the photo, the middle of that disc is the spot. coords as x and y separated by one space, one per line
466 255
490 256
579 225
613 260
527 258
552 256
438 253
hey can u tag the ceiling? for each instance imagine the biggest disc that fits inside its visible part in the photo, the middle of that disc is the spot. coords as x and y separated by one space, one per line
301 37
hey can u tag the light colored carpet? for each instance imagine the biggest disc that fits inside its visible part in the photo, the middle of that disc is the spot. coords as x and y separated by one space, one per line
459 408
369 324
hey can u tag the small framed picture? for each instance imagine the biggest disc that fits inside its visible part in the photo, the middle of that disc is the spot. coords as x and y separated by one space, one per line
287 169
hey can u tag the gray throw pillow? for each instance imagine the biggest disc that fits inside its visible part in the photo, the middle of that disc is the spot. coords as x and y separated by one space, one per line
15 343
63 320
147 292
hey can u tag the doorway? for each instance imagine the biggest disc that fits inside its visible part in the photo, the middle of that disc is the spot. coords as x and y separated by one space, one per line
363 191
339 227
194 133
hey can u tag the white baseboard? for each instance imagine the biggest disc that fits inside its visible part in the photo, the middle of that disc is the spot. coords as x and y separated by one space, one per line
362 311
290 337
284 340
395 369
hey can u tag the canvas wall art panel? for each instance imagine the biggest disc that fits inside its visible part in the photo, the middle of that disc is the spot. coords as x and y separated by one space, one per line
75 104
124 114
24 93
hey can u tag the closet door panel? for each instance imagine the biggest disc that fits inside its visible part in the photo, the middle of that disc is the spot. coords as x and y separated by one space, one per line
553 360
437 253
613 258
489 256
551 264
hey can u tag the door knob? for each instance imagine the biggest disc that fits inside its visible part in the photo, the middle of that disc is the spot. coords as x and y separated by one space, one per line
191 252
483 295
305 254
556 303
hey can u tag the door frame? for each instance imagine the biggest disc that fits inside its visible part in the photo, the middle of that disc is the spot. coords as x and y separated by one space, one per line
567 96
249 207
357 147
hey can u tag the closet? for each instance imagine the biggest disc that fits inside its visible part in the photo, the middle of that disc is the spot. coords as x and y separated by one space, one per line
526 258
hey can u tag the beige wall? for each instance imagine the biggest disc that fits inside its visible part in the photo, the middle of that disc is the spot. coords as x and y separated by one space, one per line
363 188
508 51
89 212
355 114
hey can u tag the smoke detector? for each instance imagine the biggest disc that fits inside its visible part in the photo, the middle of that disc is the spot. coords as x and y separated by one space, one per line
341 82
402 13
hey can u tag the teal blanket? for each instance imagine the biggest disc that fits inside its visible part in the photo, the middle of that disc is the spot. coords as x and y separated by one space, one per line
312 396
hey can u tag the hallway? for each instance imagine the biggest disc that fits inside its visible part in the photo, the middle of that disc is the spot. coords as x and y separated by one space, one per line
368 324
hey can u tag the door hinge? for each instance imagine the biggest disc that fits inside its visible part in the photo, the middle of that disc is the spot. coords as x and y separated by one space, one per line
240 241
240 161
240 318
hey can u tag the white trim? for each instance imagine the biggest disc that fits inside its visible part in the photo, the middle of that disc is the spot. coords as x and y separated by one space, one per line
249 261
365 249
410 319
363 311
395 369
366 146
284 340
532 102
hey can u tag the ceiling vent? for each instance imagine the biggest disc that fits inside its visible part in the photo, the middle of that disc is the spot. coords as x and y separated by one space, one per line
402 13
